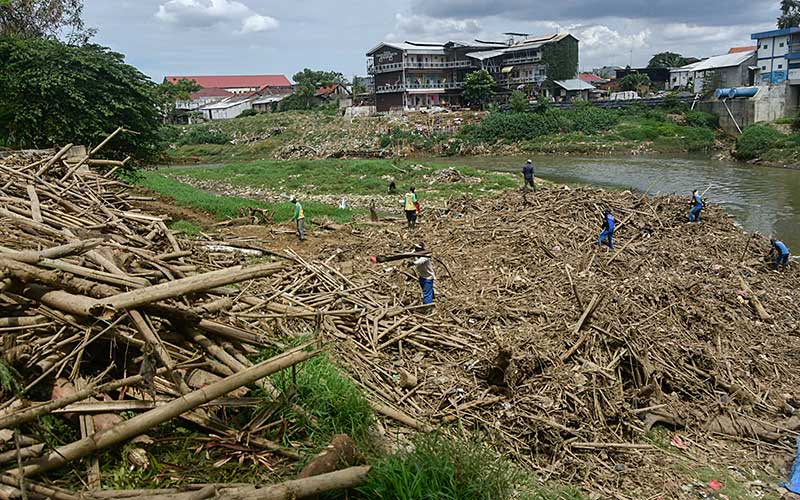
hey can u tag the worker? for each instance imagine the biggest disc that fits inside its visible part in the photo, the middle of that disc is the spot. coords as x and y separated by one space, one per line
392 186
410 206
607 235
697 206
424 267
780 251
300 218
528 173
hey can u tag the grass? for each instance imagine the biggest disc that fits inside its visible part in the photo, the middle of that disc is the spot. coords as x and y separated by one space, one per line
9 379
226 207
351 177
187 227
445 468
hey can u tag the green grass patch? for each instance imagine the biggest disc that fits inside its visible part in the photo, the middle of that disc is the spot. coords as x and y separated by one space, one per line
444 468
9 379
330 396
187 227
363 177
227 207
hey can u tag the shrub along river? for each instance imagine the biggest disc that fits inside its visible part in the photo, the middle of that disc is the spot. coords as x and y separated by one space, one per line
762 199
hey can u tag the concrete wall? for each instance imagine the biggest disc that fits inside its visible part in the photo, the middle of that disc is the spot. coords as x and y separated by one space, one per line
768 105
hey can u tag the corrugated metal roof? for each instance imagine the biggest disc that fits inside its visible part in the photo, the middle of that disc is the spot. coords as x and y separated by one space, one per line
574 84
210 92
488 54
413 47
714 62
268 99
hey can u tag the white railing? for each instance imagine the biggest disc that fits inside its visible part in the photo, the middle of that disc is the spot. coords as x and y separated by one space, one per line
398 66
402 87
522 60
522 79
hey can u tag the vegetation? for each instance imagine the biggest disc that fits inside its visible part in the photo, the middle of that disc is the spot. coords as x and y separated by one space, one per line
759 138
518 102
478 87
667 60
167 93
308 81
790 14
561 59
51 19
8 379
227 207
638 82
334 177
52 94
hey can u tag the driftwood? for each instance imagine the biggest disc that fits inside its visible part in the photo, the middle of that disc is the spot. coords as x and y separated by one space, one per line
303 488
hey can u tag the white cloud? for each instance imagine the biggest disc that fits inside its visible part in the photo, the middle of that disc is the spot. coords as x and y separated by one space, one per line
257 23
434 29
209 13
601 41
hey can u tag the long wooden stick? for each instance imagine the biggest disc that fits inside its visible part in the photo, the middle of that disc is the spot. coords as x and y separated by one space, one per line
302 488
141 423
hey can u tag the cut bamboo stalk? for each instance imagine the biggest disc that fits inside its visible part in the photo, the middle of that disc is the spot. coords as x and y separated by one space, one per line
141 423
53 160
302 488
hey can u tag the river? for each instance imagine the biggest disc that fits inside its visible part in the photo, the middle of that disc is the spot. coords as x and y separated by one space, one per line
762 199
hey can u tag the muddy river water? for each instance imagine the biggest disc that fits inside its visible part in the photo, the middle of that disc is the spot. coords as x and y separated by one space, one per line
762 199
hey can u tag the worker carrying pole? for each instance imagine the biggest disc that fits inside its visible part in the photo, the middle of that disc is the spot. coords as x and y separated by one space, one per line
697 206
607 236
528 173
424 267
780 251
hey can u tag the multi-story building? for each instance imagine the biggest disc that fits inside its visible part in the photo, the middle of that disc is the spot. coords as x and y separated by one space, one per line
778 55
412 75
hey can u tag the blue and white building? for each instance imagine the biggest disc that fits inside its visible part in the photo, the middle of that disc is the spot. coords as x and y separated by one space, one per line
778 56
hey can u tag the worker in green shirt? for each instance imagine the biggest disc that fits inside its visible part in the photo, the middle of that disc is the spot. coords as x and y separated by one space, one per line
300 218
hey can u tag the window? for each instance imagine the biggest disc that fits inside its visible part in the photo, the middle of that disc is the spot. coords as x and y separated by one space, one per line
780 66
763 68
780 44
765 47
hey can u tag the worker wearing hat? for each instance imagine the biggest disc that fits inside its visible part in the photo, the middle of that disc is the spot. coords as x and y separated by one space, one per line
697 207
300 218
424 267
528 172
607 236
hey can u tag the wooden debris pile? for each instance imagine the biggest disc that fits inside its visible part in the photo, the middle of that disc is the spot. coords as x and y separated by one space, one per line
103 310
565 354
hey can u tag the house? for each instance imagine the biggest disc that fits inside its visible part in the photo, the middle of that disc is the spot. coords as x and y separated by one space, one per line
239 84
268 103
414 75
728 70
570 90
230 107
609 72
335 93
592 79
778 55
735 50
203 97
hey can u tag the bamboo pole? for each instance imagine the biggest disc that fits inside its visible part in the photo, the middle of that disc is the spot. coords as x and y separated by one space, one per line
302 488
141 423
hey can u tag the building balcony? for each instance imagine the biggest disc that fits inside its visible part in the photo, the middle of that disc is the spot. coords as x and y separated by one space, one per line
404 87
520 80
399 66
522 60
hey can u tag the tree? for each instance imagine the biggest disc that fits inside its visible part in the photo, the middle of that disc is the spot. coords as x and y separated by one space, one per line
790 14
52 94
518 102
638 82
478 87
169 93
308 81
666 60
44 19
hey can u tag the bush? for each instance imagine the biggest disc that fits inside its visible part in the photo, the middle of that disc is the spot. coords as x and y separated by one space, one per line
248 112
518 102
756 140
203 135
52 94
591 120
441 468
701 119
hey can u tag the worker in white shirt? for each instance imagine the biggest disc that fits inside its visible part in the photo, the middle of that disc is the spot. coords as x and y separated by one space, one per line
424 267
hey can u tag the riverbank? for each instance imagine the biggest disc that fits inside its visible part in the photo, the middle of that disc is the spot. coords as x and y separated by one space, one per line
309 135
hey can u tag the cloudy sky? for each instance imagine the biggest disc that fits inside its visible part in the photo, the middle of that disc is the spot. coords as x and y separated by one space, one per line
164 37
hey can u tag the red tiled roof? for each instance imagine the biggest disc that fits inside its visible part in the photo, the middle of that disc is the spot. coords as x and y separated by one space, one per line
210 92
325 90
590 78
749 48
235 81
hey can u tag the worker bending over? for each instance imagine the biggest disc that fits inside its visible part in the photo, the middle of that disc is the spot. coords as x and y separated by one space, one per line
697 206
300 219
424 267
780 251
607 236
410 207
528 173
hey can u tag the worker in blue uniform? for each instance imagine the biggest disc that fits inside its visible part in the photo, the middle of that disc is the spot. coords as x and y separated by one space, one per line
697 207
780 251
607 235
